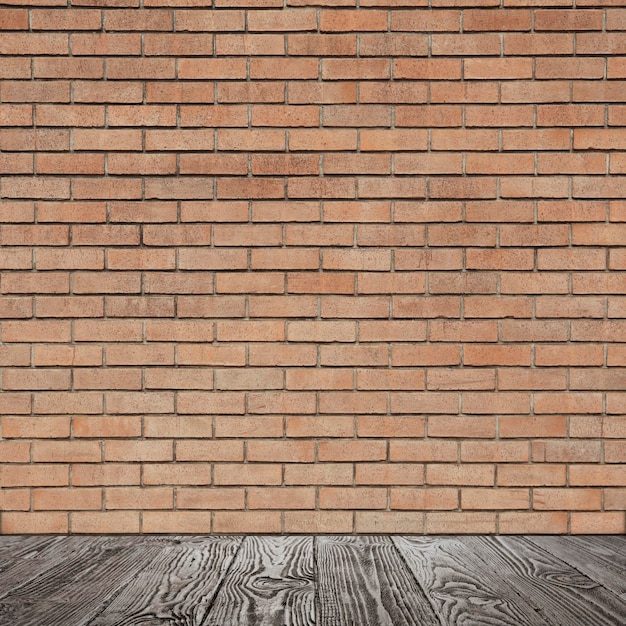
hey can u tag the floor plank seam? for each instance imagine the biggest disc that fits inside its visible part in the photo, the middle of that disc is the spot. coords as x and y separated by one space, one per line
220 584
418 582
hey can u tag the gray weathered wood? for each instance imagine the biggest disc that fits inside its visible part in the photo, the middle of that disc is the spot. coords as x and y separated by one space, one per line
71 591
35 558
14 547
601 566
270 583
561 594
461 586
363 580
613 546
176 587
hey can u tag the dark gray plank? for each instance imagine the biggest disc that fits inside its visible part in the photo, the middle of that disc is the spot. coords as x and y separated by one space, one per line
461 586
590 559
613 546
176 587
270 583
14 547
71 592
560 593
363 580
36 558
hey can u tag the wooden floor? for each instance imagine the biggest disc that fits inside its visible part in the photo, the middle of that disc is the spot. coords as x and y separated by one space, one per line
301 580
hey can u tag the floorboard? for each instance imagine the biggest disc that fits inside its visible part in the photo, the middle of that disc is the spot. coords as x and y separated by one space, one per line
613 546
21 564
461 586
72 589
270 583
560 593
603 567
363 580
312 581
176 587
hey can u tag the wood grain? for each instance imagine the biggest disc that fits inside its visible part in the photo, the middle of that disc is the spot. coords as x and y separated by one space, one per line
560 593
14 547
71 590
176 587
270 583
302 581
602 566
40 554
363 580
461 586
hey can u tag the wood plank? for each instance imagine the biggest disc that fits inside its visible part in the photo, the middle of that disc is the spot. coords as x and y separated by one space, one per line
270 583
461 586
33 561
593 560
14 547
363 580
612 545
176 587
559 592
71 592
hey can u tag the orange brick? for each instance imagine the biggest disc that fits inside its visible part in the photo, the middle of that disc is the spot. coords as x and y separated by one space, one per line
531 475
34 523
454 523
532 523
109 474
396 474
40 475
211 498
500 498
248 522
62 499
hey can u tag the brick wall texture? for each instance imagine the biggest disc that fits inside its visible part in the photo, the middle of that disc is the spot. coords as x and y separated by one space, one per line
317 266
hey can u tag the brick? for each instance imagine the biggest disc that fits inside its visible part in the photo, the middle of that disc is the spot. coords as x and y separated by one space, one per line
34 523
350 402
319 426
607 523
34 44
24 380
15 500
531 475
423 451
15 355
500 498
15 451
105 522
105 426
446 474
141 68
109 474
281 20
212 498
530 425
356 498
596 475
281 498
66 499
41 475
320 474
515 379
401 92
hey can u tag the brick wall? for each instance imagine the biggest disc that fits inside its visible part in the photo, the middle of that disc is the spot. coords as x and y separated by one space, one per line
309 266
